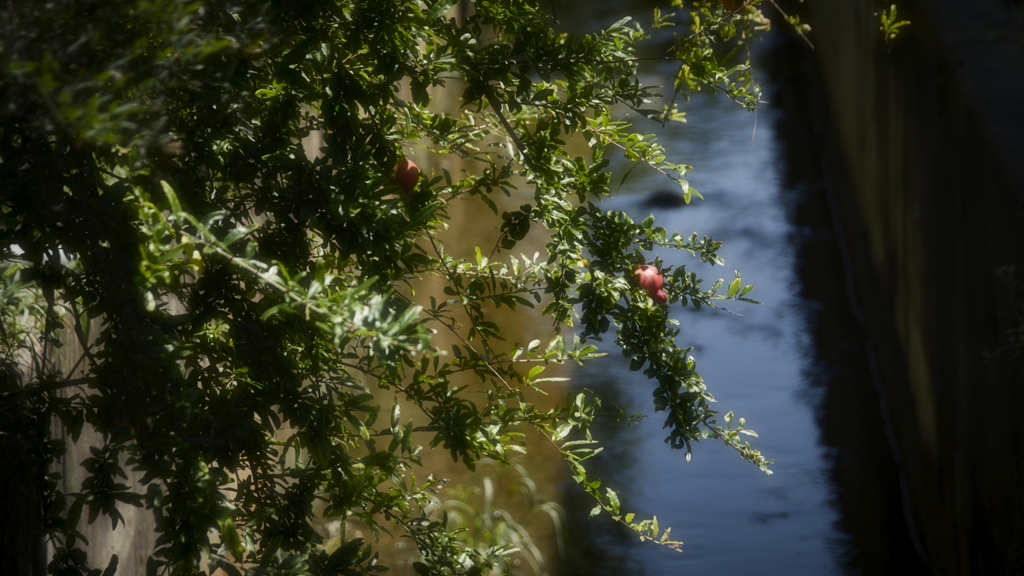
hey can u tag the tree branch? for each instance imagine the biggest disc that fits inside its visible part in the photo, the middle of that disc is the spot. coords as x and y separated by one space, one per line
45 388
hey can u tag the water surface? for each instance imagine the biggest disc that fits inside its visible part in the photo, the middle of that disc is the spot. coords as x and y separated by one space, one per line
763 366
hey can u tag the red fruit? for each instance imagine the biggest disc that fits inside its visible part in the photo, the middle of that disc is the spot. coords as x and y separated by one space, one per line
406 176
648 277
650 280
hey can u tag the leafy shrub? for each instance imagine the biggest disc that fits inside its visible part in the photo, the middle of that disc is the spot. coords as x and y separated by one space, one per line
243 309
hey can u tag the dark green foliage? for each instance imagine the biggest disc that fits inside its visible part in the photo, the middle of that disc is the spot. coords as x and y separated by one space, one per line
243 309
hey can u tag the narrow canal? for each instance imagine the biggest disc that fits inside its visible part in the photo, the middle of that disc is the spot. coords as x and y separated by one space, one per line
797 368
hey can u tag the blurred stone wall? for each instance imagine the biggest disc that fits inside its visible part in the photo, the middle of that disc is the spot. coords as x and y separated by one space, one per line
925 159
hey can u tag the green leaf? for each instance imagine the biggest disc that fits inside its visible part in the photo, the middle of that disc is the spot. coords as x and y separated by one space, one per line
441 8
734 287
626 175
578 443
172 198
613 501
533 345
229 536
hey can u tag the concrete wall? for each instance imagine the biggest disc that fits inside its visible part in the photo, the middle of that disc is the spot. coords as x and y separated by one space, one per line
925 146
22 552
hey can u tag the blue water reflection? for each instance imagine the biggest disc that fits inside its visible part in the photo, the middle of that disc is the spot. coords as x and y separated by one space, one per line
730 516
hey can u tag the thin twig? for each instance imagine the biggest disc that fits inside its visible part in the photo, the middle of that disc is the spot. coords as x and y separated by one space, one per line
277 285
677 546
483 340
233 563
81 335
794 27
466 343
722 308
496 106
45 388
675 92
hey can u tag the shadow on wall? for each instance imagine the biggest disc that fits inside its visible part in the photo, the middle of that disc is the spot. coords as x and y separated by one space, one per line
924 160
